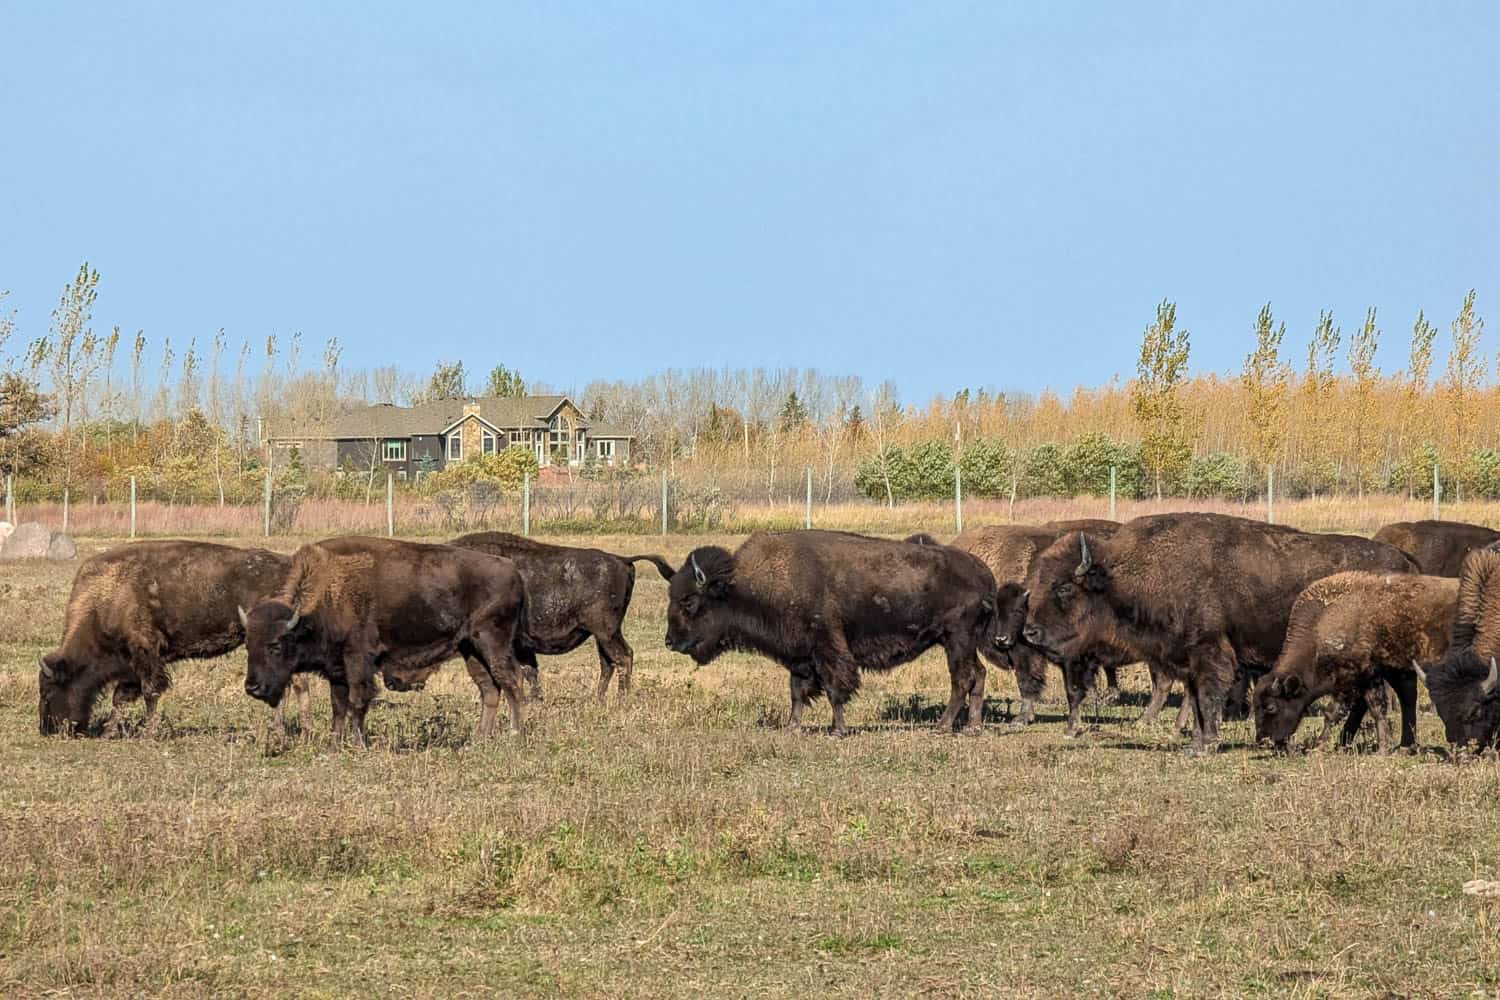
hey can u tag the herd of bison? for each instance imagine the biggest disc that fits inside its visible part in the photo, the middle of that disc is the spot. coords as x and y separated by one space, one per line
1250 618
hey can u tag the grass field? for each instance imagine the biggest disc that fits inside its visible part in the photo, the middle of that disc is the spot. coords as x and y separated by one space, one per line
681 844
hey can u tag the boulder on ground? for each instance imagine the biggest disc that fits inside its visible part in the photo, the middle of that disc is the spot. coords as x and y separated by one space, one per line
37 541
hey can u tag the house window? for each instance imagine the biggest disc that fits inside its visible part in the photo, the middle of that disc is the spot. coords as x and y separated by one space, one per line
489 443
606 449
401 475
455 447
562 436
517 437
395 451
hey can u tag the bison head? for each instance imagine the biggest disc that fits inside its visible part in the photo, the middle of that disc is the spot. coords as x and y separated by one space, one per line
279 644
1465 690
698 612
66 699
1280 702
1066 592
1011 605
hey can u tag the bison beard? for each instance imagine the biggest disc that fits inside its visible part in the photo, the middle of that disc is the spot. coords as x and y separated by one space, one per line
827 604
1465 684
354 606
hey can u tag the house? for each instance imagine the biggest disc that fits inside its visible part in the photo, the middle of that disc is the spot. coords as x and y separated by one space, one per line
410 440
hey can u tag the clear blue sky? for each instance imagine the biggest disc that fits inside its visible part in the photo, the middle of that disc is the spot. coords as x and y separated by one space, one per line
944 194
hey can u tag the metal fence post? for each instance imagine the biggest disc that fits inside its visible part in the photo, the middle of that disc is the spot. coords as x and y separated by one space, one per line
808 520
526 502
664 501
1112 494
390 505
132 508
268 502
1437 491
1270 494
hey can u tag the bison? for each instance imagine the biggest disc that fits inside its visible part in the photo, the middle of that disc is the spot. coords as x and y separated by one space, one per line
1348 636
572 594
1197 595
1465 683
351 607
137 608
828 604
1437 547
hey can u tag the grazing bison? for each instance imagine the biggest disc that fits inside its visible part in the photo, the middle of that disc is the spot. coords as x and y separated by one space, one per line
572 594
1349 635
1437 547
137 608
1197 595
351 607
1465 683
827 604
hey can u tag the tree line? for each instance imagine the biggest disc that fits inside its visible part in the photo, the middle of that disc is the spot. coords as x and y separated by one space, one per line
87 409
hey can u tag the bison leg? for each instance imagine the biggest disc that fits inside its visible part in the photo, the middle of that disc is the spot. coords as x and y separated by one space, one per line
1076 682
338 693
1376 701
964 673
803 688
120 701
301 690
489 697
531 673
1405 684
1209 681
1186 715
1161 688
1031 680
1112 683
1357 706
494 652
615 654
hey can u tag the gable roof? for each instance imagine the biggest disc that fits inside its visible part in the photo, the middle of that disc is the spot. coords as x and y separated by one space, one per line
386 420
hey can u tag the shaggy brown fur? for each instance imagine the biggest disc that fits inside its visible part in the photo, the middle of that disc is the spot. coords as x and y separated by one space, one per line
1198 595
1465 684
354 606
136 608
572 594
828 604
1349 635
1439 547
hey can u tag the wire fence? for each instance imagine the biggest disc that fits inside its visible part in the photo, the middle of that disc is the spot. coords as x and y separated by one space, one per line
649 504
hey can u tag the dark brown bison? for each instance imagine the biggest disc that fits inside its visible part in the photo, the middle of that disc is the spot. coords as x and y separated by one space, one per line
137 608
1197 595
351 607
1349 635
1465 683
827 604
572 595
1437 547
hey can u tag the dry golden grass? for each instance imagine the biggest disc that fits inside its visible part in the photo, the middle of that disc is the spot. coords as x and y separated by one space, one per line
681 844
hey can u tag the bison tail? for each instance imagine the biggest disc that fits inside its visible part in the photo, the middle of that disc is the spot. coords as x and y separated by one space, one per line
662 566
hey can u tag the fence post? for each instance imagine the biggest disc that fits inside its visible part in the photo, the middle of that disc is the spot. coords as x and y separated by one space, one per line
132 508
268 502
1270 493
808 520
390 505
10 498
526 503
1014 478
1112 494
958 498
66 498
663 501
1437 490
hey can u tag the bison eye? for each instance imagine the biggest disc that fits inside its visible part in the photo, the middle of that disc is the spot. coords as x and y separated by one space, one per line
691 604
1064 593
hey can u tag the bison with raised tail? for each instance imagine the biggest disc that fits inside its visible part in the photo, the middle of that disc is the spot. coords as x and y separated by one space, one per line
1465 684
137 608
827 604
1197 595
351 607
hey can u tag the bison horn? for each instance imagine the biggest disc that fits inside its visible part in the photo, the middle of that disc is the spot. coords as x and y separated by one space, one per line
1421 674
291 622
698 573
244 618
1087 562
41 662
1488 687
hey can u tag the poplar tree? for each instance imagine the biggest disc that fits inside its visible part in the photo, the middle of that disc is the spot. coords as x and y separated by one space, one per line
1265 379
1362 347
1156 399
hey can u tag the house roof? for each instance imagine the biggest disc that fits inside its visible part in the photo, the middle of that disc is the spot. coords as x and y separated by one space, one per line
385 420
